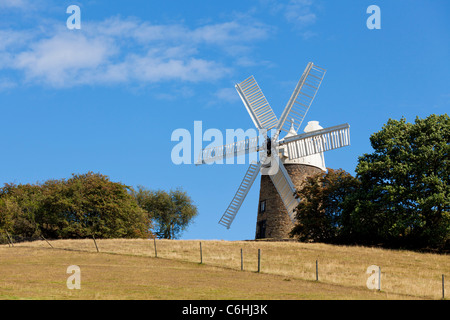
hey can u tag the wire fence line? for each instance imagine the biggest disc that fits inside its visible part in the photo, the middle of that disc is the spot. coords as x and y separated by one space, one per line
266 257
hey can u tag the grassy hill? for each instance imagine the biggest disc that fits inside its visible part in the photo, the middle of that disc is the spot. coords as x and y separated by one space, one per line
128 269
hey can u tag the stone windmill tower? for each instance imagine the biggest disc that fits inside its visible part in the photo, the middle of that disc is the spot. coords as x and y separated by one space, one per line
283 163
273 220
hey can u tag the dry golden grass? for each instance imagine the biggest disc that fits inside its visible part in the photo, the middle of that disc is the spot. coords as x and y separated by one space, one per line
405 274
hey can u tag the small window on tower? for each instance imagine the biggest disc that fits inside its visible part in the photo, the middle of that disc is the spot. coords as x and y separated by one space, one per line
262 206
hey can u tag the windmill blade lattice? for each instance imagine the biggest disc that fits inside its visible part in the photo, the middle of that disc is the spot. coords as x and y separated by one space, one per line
302 98
241 193
235 149
310 143
257 106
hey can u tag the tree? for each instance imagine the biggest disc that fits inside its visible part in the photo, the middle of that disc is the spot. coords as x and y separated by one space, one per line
90 204
19 205
405 192
171 211
400 196
82 206
319 215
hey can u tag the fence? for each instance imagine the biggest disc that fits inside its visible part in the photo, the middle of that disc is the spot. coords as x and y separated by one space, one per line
403 272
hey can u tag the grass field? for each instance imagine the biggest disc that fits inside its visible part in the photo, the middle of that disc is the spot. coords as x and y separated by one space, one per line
128 269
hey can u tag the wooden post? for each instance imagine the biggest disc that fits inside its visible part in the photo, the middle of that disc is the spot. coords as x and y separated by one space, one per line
443 290
201 254
95 242
47 242
242 260
156 252
9 244
317 270
379 278
9 238
259 260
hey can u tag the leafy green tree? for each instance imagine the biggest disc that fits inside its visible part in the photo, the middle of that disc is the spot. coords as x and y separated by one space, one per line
82 206
91 204
19 205
9 209
171 212
405 192
399 198
319 215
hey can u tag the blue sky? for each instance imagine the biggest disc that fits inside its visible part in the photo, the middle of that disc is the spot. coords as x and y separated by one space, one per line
106 98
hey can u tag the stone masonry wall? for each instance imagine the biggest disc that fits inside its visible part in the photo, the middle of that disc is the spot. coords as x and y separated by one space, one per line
274 222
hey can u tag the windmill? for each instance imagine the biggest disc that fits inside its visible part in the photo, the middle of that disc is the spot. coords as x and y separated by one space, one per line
279 159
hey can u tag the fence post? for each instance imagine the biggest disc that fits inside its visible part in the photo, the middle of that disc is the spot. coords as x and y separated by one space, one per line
317 270
379 278
201 254
242 261
9 244
95 242
9 238
156 252
47 241
259 260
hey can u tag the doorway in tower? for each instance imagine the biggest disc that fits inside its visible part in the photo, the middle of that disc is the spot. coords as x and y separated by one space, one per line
261 225
261 229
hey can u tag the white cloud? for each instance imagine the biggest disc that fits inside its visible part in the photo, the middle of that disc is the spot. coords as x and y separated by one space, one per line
124 50
14 4
230 32
227 95
157 66
223 97
175 92
12 40
62 59
299 12
6 84
220 34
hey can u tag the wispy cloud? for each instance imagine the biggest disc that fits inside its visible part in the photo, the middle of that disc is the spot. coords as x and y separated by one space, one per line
118 50
6 84
22 4
299 13
227 95
64 59
223 97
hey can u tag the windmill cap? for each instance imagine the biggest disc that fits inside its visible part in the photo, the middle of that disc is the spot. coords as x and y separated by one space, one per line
312 126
